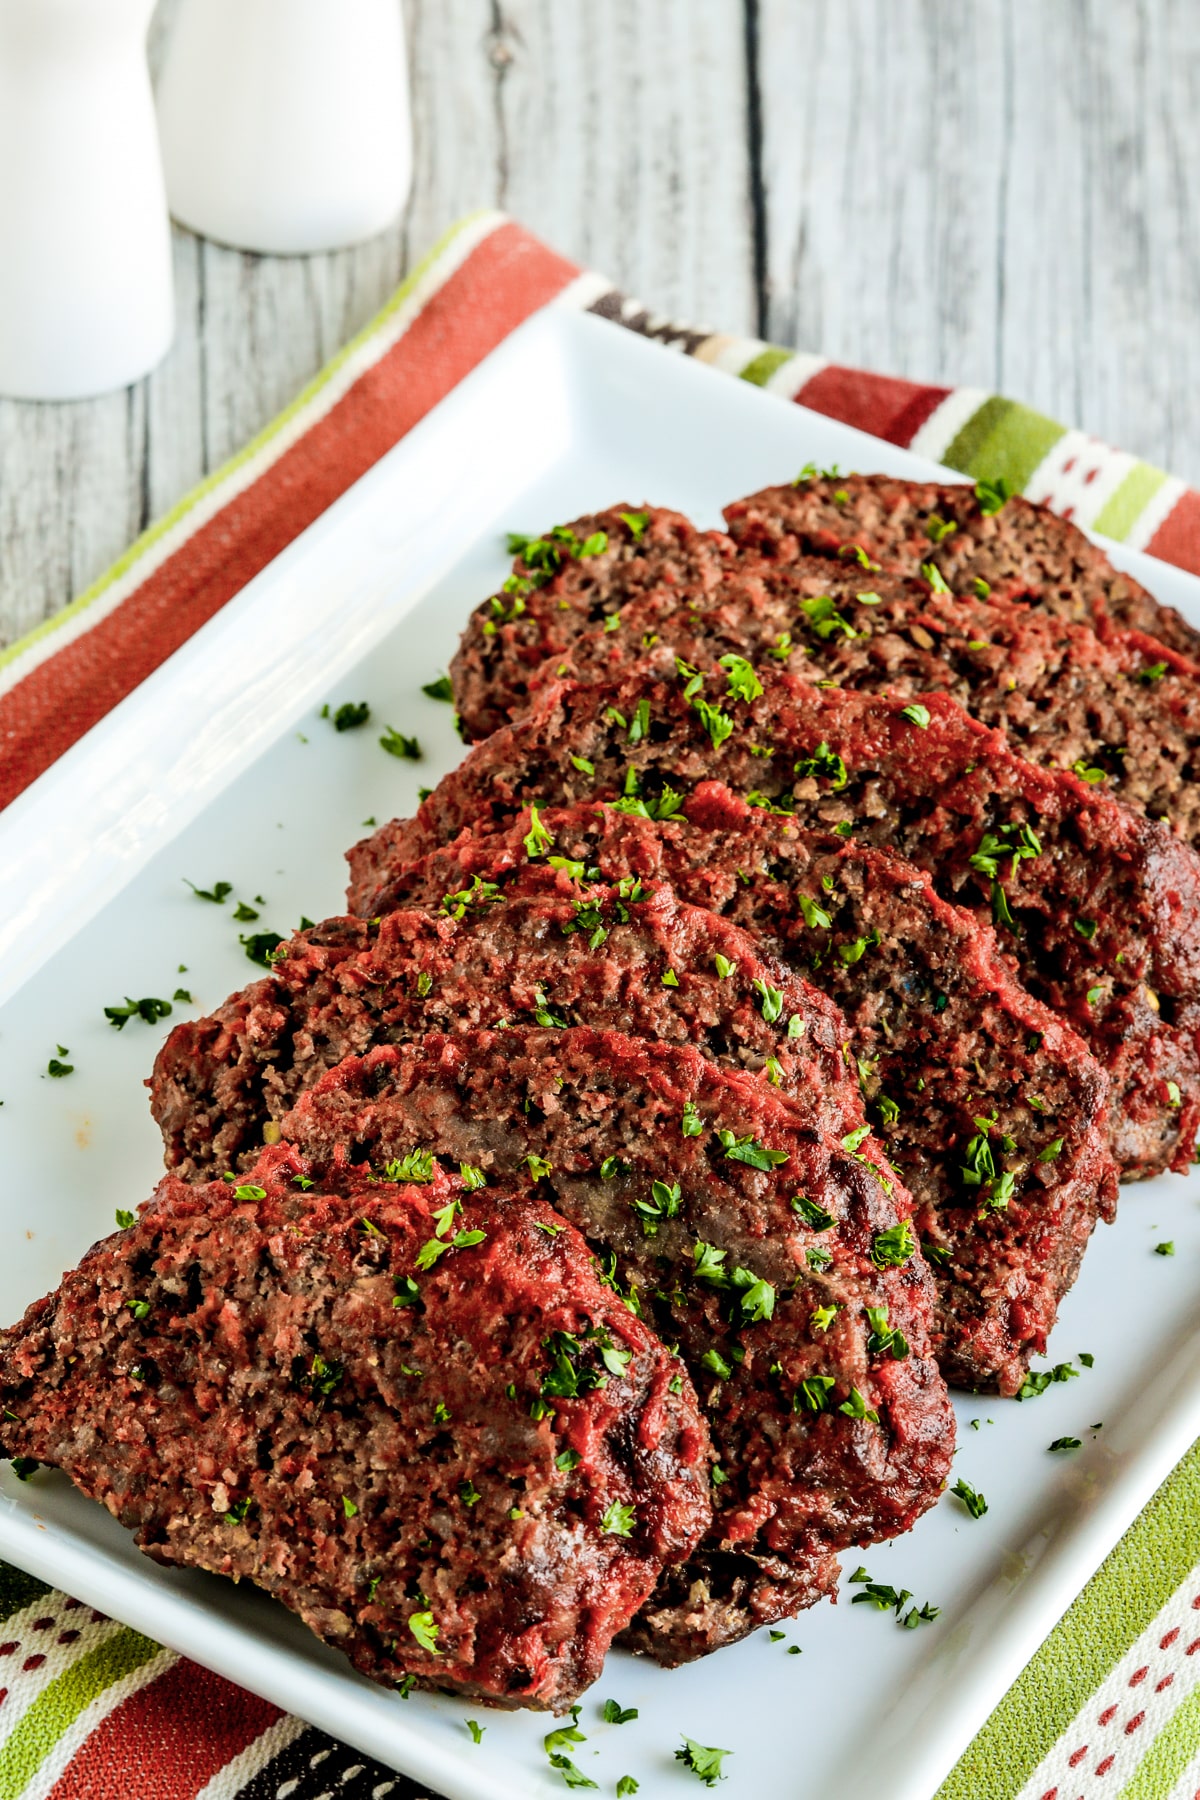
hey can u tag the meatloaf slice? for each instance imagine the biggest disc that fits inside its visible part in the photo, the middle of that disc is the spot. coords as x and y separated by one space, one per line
777 1260
950 1051
1124 711
1100 908
1022 552
414 1414
562 583
628 956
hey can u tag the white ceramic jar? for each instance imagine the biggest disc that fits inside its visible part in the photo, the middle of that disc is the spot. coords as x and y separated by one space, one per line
86 297
285 124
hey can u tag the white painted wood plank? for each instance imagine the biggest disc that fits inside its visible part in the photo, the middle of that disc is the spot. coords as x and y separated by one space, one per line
1002 195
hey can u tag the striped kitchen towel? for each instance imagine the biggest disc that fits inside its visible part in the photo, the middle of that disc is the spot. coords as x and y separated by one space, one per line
91 1710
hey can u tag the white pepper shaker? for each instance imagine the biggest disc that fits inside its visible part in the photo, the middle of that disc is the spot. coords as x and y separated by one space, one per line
86 295
285 124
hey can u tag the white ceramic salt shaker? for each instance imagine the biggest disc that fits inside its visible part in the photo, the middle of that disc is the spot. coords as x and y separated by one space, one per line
285 124
86 297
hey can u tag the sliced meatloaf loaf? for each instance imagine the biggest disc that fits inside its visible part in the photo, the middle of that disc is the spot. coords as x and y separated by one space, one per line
1019 552
1123 712
777 1261
560 584
991 1108
630 957
1099 907
414 1414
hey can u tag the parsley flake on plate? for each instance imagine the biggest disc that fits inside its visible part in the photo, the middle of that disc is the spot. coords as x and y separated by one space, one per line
424 1629
704 1760
397 744
974 1502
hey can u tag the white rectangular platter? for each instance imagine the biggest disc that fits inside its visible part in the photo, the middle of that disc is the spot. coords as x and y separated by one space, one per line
219 768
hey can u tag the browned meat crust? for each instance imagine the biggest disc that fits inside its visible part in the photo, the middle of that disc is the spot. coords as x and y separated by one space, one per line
941 1035
565 582
1104 905
275 1385
1022 552
682 1178
1124 710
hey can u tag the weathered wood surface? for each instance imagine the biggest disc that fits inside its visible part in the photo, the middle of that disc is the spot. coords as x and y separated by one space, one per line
1004 194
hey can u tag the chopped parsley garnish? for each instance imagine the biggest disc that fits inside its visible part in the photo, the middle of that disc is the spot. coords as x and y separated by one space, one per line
1165 1249
748 1150
743 682
1038 1380
348 1507
1087 1359
537 839
718 724
567 1459
723 967
1088 772
811 1213
407 1292
149 1010
853 953
662 1204
618 1715
1152 672
885 1339
545 1017
572 1776
1067 1443
414 1165
548 1230
396 744
261 946
825 765
478 894
704 1760
476 1730
124 1219
824 617
814 916
937 528
424 1629
974 1502
583 765
992 495
349 716
538 1167
823 1317
692 1125
439 689
1086 929
238 1511
612 1166
716 1364
434 1247
935 578
853 1140
57 1068
669 978
468 1493
856 1408
218 893
814 1393
248 1190
1016 841
892 1248
916 714
1174 1097
885 1598
1052 1150
618 1520
770 1001
636 521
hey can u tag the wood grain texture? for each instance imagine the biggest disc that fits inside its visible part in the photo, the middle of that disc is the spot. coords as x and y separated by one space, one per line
1001 194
